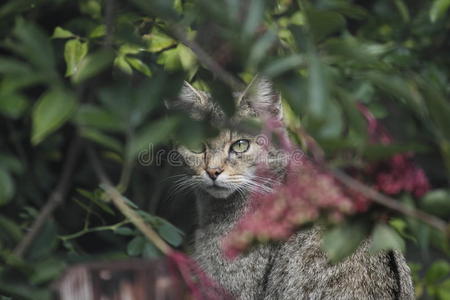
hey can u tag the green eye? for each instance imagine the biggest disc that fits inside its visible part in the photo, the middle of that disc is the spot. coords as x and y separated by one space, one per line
197 148
240 146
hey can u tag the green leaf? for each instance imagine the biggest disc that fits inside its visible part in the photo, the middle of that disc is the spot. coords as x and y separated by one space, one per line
150 251
94 116
10 228
124 231
6 187
122 63
34 45
61 33
13 104
342 240
438 9
324 23
443 293
51 111
153 134
171 234
102 139
93 64
136 246
254 17
438 271
284 64
403 9
74 52
317 89
46 270
13 66
159 41
98 31
260 48
139 65
45 242
437 202
385 238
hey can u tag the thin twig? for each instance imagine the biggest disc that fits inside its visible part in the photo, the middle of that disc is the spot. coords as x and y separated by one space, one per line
390 202
56 198
207 60
118 200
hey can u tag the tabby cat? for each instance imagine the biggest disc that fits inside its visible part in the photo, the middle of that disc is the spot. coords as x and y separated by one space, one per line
222 172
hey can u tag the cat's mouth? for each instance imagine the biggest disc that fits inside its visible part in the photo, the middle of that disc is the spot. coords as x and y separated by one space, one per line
215 186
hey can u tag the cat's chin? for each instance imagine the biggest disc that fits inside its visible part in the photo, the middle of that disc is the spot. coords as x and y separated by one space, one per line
218 192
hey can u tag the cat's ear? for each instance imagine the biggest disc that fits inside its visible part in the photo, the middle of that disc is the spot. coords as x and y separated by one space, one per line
188 97
260 97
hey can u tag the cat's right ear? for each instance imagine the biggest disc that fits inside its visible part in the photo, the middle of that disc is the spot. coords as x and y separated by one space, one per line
188 98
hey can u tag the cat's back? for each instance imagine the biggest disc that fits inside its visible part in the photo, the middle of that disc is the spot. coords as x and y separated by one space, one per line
300 270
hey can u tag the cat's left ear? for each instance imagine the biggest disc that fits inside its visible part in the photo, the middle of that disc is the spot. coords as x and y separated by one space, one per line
260 97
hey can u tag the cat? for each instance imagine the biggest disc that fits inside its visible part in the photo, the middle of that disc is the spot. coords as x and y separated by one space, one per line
222 173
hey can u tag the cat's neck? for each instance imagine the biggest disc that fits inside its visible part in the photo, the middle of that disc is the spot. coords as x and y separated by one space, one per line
220 211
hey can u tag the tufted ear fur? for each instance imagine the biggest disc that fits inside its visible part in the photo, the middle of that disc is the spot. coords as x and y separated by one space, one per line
260 97
189 98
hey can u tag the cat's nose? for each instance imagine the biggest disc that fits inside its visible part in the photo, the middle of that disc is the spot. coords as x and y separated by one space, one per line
213 173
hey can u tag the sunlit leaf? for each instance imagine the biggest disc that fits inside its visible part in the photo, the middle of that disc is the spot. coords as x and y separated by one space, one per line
93 64
122 63
159 40
74 52
61 33
139 65
438 9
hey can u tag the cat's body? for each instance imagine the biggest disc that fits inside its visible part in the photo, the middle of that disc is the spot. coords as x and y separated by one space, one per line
296 269
222 174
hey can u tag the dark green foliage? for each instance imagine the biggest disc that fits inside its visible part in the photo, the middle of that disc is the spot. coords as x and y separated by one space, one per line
71 68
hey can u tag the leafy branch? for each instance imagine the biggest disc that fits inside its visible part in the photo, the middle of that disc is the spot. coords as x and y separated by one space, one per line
118 200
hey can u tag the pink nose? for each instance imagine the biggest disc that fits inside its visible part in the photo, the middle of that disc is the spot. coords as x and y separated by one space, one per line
213 173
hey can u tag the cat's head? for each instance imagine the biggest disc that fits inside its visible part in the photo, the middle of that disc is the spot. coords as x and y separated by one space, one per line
227 164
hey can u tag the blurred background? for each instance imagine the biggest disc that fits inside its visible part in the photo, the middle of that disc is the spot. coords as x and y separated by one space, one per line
363 83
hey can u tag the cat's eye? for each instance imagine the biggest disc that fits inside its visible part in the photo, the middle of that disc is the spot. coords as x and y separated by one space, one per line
197 148
240 146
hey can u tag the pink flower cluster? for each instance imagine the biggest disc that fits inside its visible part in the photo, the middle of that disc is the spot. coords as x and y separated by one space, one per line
307 194
398 173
